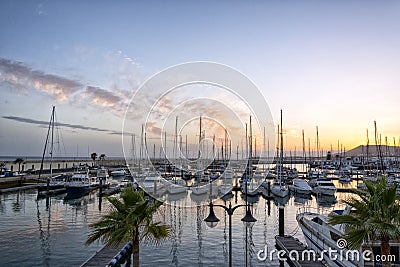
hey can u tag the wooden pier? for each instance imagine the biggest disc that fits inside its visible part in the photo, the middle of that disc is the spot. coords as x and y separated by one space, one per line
288 244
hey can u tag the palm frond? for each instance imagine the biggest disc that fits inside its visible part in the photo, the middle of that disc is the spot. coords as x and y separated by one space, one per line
131 215
155 233
376 214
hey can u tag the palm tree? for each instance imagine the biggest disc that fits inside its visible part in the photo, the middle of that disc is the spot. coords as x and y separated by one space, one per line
19 161
130 219
376 216
2 166
102 157
94 156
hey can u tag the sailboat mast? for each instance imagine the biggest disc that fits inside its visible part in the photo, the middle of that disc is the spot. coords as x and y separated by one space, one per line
165 152
255 147
133 141
304 148
230 149
180 146
317 144
281 144
199 163
147 154
213 148
175 145
45 147
200 138
186 147
277 144
226 146
247 143
251 140
141 146
309 154
394 151
52 142
379 147
367 151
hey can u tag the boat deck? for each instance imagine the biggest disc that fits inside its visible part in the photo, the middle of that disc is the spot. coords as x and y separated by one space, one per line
289 243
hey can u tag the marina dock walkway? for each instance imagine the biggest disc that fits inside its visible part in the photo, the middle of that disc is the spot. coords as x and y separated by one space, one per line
288 244
23 187
102 257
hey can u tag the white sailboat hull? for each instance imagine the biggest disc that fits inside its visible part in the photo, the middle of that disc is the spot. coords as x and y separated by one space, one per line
199 190
324 191
176 189
225 189
300 190
300 186
280 191
318 235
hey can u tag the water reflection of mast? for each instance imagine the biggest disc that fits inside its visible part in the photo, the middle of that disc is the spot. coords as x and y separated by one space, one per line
250 242
2 204
199 223
44 237
225 244
175 236
265 221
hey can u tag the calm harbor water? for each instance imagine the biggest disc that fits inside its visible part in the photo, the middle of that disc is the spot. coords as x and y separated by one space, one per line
36 233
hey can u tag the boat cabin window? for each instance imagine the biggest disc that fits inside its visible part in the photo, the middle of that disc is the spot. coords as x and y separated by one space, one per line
317 220
335 236
340 212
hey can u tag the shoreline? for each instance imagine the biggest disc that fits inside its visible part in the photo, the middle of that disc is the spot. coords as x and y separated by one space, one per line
60 163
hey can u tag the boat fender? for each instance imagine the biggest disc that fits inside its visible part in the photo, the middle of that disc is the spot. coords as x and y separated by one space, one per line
118 257
128 246
112 262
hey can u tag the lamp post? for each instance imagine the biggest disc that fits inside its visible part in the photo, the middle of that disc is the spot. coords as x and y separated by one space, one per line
212 221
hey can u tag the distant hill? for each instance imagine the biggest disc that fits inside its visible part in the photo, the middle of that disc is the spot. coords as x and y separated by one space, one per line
373 151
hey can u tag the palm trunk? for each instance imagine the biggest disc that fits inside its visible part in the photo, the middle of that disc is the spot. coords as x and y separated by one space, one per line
385 250
135 251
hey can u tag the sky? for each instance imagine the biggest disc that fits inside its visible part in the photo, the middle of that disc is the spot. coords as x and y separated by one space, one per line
331 64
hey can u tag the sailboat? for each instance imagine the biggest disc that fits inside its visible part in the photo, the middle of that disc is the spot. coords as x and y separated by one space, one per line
279 188
178 186
197 189
53 182
248 185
